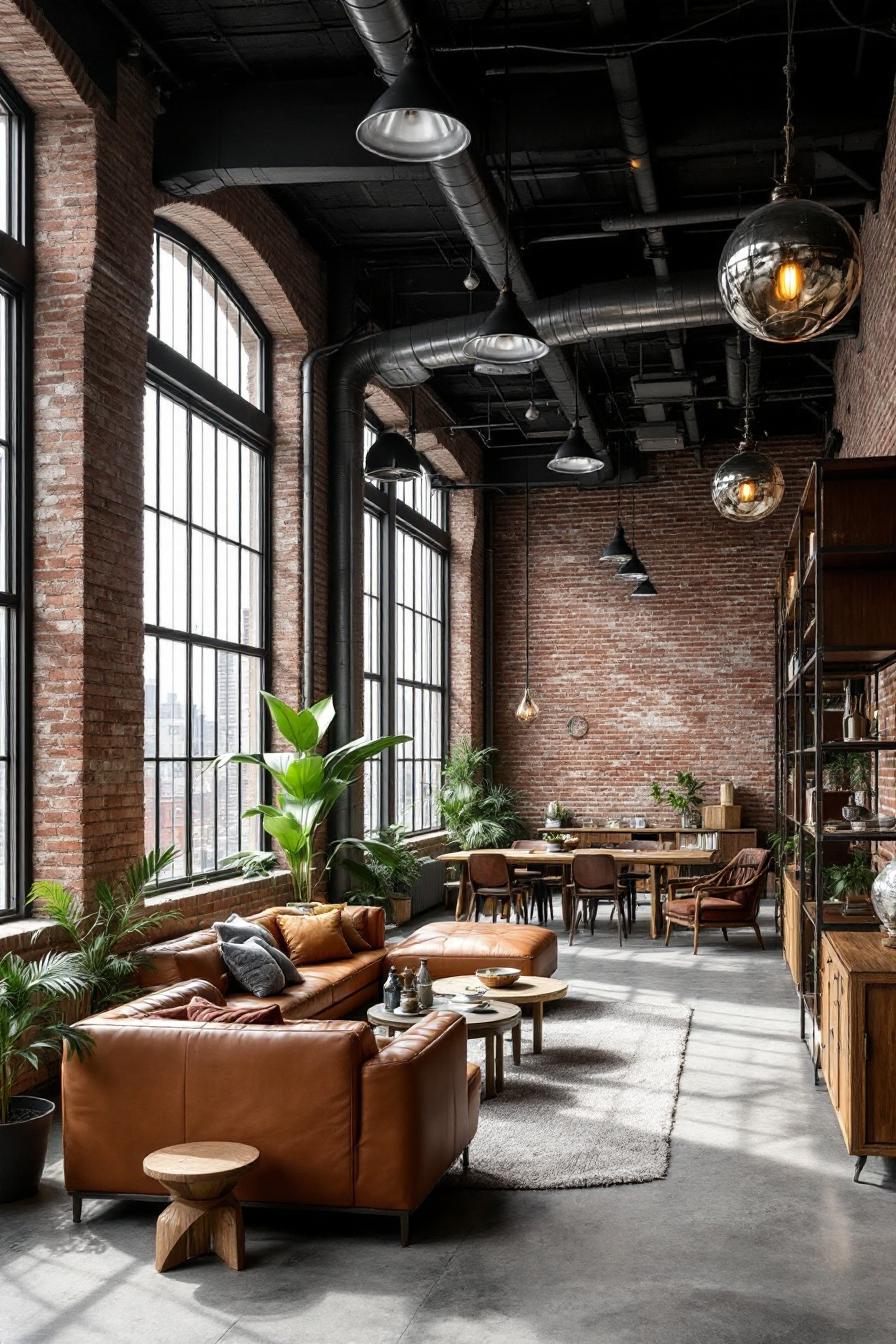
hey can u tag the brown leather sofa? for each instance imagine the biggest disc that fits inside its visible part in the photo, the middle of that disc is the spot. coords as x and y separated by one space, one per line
328 989
460 949
338 1122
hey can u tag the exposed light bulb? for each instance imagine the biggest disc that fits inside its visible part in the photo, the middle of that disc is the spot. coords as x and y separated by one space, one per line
634 163
532 411
789 280
471 280
527 711
746 491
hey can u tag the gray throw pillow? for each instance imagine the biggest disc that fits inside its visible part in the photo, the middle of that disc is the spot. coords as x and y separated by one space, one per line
289 969
235 929
253 968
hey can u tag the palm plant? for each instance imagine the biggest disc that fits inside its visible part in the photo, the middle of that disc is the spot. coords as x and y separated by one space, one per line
32 995
476 813
103 936
307 784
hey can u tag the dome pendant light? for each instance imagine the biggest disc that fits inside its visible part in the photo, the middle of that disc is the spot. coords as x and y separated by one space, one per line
634 569
791 269
749 486
575 456
391 456
527 711
413 121
617 548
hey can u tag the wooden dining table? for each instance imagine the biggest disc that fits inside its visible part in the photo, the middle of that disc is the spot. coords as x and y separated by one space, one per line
657 861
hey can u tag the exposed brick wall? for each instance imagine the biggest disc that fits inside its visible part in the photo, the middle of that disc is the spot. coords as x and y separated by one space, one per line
685 681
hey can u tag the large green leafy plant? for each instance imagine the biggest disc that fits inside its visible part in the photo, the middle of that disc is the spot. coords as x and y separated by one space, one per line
842 880
388 867
476 813
33 995
684 797
106 937
307 784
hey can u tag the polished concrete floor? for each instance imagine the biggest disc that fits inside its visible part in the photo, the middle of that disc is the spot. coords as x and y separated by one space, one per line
757 1235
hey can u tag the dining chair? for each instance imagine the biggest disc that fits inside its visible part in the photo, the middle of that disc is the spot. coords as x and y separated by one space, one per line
545 881
594 879
636 879
728 899
491 880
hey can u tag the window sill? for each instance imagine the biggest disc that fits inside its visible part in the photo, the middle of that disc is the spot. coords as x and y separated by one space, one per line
210 893
18 935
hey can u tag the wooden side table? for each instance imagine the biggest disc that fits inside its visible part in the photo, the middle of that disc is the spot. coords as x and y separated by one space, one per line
536 990
204 1214
490 1027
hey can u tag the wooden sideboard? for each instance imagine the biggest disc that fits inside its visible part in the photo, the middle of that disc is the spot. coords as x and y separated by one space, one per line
798 923
857 1031
728 844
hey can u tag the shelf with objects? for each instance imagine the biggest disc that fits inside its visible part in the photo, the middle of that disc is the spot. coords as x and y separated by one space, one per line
835 760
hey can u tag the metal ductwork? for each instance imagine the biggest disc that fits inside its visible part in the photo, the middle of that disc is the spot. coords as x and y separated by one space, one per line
383 27
409 355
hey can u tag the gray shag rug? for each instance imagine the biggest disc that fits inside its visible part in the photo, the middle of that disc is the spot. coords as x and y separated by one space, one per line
596 1108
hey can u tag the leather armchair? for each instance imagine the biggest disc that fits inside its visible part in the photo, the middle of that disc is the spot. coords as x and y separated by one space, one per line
338 1123
728 899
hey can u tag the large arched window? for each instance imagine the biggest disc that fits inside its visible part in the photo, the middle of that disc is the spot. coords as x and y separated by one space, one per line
207 447
405 648
15 272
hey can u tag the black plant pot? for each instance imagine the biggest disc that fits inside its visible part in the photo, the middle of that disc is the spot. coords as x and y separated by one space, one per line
23 1147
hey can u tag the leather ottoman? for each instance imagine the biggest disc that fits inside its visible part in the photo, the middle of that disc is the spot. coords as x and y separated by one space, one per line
460 949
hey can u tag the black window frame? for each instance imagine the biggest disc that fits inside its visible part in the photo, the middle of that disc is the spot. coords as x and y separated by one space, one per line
178 378
397 516
16 281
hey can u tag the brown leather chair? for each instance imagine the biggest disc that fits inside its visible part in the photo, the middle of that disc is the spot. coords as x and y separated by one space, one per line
728 899
491 880
595 879
338 1122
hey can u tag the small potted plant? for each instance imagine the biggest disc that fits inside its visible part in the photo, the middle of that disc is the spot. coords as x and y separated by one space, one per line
684 797
556 816
252 862
33 998
850 883
386 873
556 841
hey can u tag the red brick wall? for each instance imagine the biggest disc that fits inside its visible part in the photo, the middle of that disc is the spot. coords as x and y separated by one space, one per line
684 681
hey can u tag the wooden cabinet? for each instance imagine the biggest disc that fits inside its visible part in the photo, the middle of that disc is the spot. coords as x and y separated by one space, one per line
791 917
857 983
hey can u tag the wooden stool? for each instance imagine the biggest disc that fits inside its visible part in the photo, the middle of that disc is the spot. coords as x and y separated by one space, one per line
203 1214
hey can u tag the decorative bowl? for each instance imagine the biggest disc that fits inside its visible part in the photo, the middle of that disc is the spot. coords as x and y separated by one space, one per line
498 977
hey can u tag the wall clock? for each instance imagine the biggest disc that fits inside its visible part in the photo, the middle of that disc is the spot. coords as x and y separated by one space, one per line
577 726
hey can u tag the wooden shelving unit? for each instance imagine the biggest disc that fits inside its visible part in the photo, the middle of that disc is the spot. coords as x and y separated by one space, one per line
835 626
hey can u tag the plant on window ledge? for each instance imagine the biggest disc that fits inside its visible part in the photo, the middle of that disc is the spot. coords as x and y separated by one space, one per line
386 874
476 813
104 936
685 797
252 862
307 784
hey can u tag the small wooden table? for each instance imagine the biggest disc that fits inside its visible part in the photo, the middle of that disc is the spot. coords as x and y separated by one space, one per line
536 990
490 1027
204 1214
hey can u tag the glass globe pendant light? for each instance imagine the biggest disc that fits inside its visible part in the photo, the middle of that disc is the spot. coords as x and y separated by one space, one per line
575 456
391 456
791 269
413 121
749 486
527 710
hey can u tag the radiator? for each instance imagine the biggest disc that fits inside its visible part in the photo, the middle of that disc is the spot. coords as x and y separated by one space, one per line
426 893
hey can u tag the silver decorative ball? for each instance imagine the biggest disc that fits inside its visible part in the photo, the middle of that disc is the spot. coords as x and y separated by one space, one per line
532 412
747 487
471 280
883 897
790 270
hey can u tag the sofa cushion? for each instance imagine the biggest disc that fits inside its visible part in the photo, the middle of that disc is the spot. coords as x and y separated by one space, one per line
713 909
203 963
168 996
253 968
297 1003
312 939
354 924
266 1014
235 929
459 949
290 970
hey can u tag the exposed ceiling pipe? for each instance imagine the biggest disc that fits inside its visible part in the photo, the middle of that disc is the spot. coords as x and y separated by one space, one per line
409 355
740 372
383 27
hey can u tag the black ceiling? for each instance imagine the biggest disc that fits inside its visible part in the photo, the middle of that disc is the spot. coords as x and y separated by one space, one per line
711 86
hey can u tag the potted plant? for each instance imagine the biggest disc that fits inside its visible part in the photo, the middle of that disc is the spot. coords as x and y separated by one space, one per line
33 997
475 812
850 882
556 841
783 848
556 816
386 874
307 784
104 937
684 797
252 862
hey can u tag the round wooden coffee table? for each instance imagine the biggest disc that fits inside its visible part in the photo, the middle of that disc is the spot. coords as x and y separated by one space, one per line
203 1213
536 990
490 1027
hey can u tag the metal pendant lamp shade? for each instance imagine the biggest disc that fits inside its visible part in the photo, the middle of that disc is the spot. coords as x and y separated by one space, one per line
413 121
644 589
749 486
506 336
617 548
575 456
634 568
391 457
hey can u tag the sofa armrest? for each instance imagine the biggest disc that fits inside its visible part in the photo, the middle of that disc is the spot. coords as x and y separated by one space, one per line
415 1113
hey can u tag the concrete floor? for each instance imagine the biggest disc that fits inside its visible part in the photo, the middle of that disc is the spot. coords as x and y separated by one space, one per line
757 1235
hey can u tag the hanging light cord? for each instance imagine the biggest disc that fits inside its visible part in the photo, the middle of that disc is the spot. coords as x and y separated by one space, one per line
789 67
527 573
506 144
748 400
634 547
577 383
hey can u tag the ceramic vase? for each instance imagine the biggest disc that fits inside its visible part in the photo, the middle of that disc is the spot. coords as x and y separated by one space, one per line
883 898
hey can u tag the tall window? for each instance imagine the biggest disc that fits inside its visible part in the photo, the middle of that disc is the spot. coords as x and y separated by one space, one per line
15 267
405 642
206 450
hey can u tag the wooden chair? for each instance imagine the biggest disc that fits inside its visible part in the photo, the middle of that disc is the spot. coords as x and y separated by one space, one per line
594 879
491 880
728 899
535 877
634 878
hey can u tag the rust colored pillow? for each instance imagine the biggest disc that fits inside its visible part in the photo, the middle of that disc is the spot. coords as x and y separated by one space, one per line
178 1014
354 925
200 1010
314 938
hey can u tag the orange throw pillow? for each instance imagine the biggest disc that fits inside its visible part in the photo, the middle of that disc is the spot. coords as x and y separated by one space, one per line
314 938
354 925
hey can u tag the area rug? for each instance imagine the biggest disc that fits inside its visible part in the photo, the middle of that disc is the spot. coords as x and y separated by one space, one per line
596 1108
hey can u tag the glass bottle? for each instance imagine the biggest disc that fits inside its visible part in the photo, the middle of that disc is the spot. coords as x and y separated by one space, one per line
423 981
392 991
